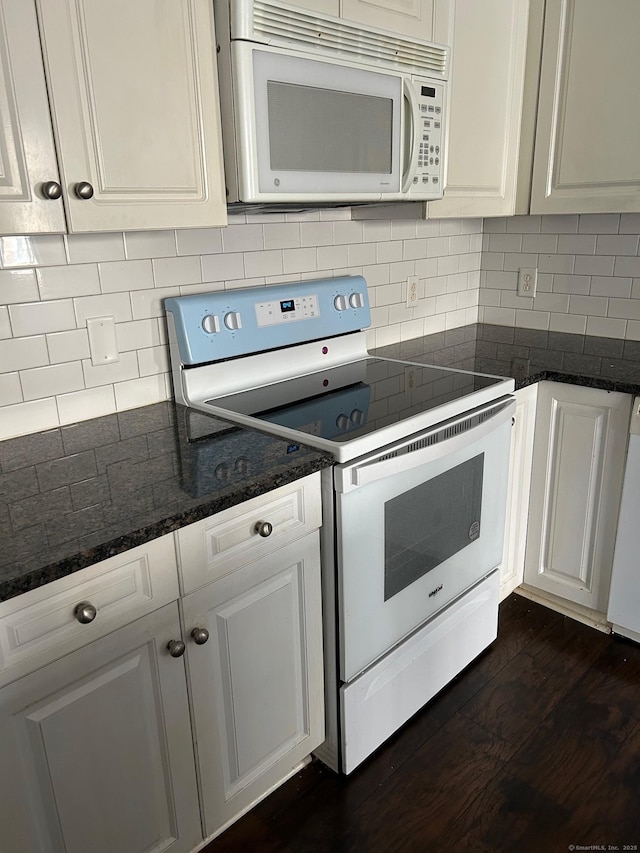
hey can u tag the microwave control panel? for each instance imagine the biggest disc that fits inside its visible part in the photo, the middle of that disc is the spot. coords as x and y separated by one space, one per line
428 179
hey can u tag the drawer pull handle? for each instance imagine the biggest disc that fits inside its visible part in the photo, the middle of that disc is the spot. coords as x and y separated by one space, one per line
200 636
264 528
176 648
85 612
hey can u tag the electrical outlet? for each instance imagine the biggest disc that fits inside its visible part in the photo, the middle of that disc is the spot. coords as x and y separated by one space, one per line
412 291
527 281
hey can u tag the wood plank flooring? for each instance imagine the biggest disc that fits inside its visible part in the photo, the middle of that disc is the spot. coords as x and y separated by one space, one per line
534 747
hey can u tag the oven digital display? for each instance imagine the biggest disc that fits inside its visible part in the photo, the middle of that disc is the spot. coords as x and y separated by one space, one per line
287 305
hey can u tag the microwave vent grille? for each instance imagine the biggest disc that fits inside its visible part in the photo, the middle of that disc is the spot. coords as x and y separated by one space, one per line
281 25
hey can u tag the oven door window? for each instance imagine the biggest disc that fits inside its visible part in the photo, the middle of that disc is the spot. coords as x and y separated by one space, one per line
430 523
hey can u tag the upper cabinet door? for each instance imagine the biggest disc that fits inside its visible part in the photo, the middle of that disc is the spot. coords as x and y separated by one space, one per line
588 132
28 165
134 102
485 108
424 19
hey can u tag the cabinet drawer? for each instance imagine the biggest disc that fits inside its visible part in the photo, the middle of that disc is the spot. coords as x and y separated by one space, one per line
41 625
216 546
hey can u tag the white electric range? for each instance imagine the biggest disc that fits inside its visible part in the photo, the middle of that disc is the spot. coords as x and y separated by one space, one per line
413 509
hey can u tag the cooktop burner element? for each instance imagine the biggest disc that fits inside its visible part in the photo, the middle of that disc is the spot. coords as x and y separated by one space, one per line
291 359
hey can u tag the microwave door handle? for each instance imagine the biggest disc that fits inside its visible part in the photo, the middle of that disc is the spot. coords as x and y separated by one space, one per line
370 472
414 108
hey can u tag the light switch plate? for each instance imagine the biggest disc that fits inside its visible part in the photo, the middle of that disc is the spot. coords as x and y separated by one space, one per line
102 340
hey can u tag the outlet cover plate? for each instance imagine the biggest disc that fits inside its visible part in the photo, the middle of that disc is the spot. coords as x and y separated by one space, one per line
527 281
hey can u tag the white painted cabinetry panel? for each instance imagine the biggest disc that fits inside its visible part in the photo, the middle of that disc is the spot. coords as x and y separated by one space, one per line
485 108
586 152
27 153
578 466
97 752
135 110
518 490
423 19
257 683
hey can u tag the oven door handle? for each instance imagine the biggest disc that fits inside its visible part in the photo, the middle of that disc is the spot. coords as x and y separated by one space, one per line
365 473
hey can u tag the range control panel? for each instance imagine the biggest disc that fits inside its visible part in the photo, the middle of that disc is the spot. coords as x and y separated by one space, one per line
223 324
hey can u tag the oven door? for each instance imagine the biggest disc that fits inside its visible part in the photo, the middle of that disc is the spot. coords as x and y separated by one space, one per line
418 524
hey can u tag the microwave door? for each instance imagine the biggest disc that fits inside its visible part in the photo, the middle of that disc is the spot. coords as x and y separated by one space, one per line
315 130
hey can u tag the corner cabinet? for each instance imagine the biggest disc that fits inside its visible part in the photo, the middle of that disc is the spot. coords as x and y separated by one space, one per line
579 454
588 127
133 103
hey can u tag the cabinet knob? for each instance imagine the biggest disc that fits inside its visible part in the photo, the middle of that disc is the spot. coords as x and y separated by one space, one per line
200 636
83 190
85 612
51 189
176 648
264 528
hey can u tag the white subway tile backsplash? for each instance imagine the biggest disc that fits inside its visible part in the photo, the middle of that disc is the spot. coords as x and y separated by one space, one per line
627 267
594 265
150 244
169 272
90 403
108 374
559 224
281 235
630 223
153 360
627 309
554 302
5 325
40 250
51 380
226 267
141 392
617 244
123 276
635 288
18 286
149 303
633 330
199 241
505 243
599 223
524 224
495 225
23 418
68 346
589 306
571 284
361 254
316 234
610 286
138 334
540 243
117 305
299 260
447 265
66 282
38 318
605 327
378 274
437 247
556 263
243 238
577 244
414 248
388 253
10 389
514 260
89 248
532 319
572 324
23 353
377 231
264 263
499 316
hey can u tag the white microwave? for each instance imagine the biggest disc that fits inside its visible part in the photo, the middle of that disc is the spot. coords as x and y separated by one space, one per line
318 109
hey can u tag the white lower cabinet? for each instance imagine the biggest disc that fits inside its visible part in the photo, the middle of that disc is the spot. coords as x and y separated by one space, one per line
518 490
256 681
96 749
578 466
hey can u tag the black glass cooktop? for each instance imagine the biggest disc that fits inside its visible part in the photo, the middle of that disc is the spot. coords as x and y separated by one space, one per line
355 399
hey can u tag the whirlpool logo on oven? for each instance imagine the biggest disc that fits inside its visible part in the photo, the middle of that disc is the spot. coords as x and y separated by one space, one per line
435 591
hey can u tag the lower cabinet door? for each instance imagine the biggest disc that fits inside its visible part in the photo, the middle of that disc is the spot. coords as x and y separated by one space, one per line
96 749
257 681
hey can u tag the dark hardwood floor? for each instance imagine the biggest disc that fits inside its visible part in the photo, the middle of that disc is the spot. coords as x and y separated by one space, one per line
534 747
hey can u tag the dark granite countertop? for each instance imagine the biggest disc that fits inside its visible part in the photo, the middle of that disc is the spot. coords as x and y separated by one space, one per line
73 496
528 355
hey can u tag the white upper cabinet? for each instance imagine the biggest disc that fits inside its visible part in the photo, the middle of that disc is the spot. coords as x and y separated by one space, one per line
134 102
485 109
424 19
588 130
28 167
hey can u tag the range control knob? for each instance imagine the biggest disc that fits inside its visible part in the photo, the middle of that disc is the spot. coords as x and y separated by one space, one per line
356 300
340 303
222 472
357 417
342 422
232 320
211 324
